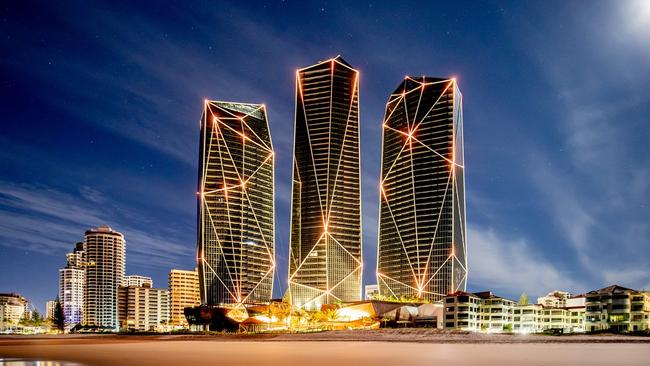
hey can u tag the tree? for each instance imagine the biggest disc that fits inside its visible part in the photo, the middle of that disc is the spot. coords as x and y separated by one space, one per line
331 315
58 318
523 299
25 320
37 318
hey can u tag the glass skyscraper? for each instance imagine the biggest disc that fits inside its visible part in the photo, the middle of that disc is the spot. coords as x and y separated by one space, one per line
422 234
325 245
236 253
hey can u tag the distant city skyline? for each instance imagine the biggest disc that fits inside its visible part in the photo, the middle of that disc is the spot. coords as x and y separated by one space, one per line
101 126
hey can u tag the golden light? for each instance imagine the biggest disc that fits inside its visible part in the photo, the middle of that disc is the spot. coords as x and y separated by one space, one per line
238 314
348 314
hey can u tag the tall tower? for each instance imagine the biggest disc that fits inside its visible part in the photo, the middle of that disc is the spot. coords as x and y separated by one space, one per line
236 253
105 251
325 246
72 281
422 236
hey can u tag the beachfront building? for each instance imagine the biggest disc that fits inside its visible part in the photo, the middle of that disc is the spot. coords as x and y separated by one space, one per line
235 244
105 251
72 282
480 311
495 312
422 232
183 293
486 312
617 309
325 245
13 308
526 318
143 308
460 311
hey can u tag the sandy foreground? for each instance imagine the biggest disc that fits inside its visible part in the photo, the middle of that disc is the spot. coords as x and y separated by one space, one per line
385 347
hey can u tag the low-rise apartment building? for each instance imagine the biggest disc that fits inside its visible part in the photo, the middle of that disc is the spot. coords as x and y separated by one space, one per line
482 311
617 309
460 311
486 312
495 313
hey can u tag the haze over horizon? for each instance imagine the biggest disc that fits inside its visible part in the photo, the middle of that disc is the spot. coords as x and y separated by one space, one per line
101 125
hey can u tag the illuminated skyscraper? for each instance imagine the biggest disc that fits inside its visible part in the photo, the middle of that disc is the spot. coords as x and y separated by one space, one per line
236 253
325 245
422 235
105 251
72 281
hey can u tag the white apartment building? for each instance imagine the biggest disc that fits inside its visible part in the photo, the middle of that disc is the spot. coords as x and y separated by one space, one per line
49 309
72 282
13 308
618 309
143 308
137 280
486 312
105 251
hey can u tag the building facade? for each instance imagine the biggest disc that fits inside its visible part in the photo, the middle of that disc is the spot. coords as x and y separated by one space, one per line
325 261
143 308
183 292
371 291
236 252
50 307
460 311
13 308
486 312
555 299
617 309
137 280
480 311
105 263
527 318
422 233
72 282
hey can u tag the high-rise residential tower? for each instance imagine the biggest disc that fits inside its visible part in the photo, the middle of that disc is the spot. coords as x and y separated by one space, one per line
422 235
105 263
183 292
72 282
325 246
236 253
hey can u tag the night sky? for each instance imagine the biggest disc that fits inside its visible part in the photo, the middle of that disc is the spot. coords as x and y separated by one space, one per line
101 103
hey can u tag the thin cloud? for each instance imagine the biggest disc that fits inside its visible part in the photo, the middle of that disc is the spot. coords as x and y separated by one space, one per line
44 219
512 265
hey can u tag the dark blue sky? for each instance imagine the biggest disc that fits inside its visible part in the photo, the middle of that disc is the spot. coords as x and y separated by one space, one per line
100 124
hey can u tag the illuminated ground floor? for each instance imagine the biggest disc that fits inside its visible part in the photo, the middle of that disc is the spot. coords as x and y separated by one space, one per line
235 350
